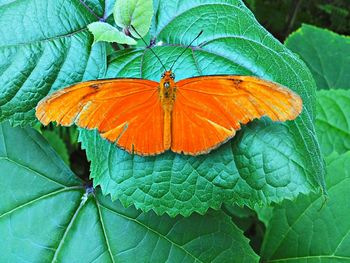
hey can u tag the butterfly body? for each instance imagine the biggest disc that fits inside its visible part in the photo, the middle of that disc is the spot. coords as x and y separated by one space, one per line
192 116
167 96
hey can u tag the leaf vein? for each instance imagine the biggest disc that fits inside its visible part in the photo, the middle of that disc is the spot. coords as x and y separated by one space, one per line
152 230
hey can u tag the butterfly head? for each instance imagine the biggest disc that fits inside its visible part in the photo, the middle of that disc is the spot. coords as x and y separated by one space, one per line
168 75
167 81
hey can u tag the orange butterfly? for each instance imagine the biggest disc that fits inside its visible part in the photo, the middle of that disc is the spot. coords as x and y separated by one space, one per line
192 116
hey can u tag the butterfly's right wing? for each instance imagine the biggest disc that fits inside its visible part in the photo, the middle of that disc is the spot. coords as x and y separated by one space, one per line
208 110
125 111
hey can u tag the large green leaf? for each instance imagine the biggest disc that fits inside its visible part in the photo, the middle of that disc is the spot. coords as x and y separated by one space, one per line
326 54
333 120
47 215
266 162
310 229
44 45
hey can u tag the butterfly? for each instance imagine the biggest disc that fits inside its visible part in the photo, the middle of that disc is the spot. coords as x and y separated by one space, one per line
192 116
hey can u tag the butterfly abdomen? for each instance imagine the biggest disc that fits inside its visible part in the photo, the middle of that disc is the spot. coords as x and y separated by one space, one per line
167 130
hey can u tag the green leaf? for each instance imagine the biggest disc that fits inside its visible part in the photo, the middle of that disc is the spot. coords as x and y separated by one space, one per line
325 53
310 229
333 120
105 32
47 215
265 162
44 46
137 13
58 144
319 48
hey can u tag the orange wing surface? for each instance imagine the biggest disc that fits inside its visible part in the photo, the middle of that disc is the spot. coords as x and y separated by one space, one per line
209 110
125 111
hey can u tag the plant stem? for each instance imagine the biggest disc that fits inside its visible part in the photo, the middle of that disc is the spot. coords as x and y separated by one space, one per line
292 16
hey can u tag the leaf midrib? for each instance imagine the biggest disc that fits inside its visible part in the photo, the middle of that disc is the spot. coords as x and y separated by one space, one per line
152 230
61 190
71 222
104 230
31 170
46 39
309 257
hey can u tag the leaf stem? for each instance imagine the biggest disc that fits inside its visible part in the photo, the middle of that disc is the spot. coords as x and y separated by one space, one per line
292 17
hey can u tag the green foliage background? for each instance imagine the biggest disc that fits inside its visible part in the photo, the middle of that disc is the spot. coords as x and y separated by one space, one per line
50 212
285 16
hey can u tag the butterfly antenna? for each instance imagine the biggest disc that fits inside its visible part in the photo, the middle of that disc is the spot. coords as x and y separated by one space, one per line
149 48
200 33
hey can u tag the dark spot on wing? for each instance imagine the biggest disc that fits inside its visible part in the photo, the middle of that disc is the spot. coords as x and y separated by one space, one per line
237 81
95 90
95 86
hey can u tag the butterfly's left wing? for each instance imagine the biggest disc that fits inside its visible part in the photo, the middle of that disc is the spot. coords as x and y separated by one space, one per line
209 110
125 111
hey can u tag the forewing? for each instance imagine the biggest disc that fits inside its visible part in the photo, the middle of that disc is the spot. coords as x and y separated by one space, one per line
209 110
125 111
